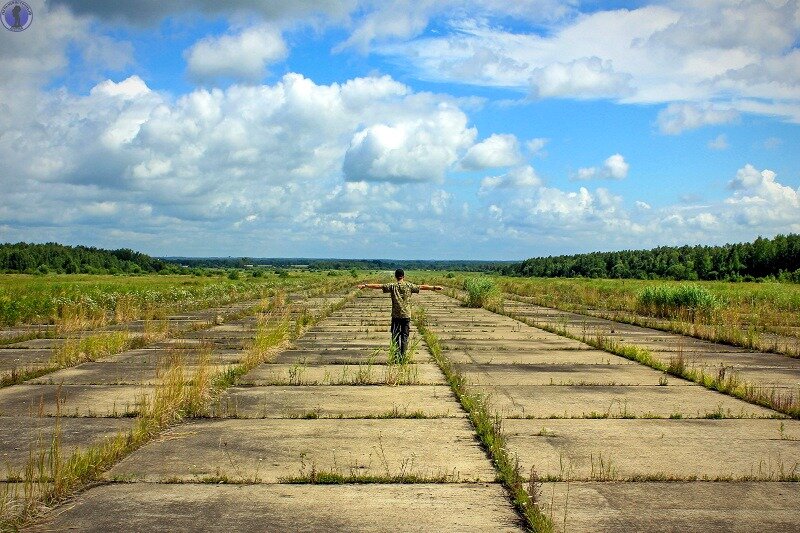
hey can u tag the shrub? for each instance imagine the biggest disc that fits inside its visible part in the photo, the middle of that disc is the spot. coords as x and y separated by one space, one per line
676 301
481 291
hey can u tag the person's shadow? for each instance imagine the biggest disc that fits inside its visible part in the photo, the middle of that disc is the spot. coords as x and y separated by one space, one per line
15 13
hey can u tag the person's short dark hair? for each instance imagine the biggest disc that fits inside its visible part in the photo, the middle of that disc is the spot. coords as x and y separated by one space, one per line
399 273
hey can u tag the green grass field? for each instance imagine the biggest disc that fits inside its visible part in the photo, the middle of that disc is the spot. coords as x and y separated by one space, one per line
763 316
81 300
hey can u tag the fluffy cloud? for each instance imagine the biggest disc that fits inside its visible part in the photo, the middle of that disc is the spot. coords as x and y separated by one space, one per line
614 168
518 178
757 205
675 52
499 150
32 57
567 215
242 56
250 158
759 200
677 118
421 149
588 77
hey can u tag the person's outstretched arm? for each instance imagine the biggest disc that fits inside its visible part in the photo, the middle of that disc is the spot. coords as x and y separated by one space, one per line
370 286
430 287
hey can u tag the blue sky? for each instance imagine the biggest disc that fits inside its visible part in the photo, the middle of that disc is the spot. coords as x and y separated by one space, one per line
476 129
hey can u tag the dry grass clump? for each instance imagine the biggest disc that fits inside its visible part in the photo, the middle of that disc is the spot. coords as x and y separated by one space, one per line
78 350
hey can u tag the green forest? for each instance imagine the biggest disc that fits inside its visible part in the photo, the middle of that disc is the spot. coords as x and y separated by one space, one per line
61 259
777 258
339 264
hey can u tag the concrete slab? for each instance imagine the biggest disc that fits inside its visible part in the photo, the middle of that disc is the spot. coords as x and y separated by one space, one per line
597 401
11 358
338 402
528 357
665 345
620 507
769 377
72 400
190 355
364 374
36 344
555 374
498 335
735 359
343 357
270 449
653 449
489 343
220 335
20 435
279 508
116 373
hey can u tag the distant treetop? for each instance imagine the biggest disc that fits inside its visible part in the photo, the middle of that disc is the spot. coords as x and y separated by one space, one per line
777 258
58 258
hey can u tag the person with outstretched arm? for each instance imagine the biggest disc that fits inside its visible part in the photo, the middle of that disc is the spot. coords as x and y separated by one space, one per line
400 292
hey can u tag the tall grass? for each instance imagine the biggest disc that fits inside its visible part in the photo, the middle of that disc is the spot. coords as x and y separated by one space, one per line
75 302
90 348
481 292
682 301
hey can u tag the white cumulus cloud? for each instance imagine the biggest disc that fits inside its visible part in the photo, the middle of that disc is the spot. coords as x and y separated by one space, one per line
422 149
614 168
263 159
243 56
499 150
758 199
518 178
588 77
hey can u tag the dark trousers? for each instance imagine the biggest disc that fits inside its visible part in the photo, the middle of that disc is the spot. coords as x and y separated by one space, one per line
401 327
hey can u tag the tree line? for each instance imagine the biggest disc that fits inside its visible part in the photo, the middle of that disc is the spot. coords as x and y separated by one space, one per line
339 264
777 258
61 259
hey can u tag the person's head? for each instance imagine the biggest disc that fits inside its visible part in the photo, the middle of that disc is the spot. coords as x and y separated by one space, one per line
399 274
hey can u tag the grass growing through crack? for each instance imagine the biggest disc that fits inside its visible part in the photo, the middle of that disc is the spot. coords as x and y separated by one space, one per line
489 431
78 350
762 316
787 403
322 477
50 476
74 351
